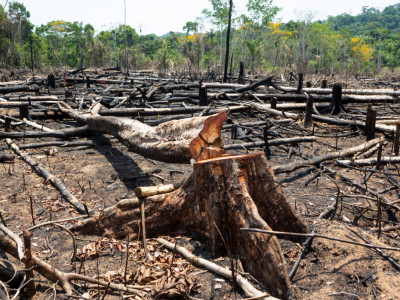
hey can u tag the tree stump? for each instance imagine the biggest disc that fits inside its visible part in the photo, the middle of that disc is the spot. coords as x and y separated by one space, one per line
230 193
226 193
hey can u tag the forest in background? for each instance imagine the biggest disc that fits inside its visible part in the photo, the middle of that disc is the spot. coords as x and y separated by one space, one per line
367 43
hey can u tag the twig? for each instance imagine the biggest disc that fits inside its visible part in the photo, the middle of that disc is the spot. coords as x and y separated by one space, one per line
172 261
2 220
57 221
246 286
16 239
5 290
315 235
33 217
48 176
326 213
143 217
344 294
105 292
30 288
127 257
381 253
314 176
306 247
97 269
228 250
19 290
63 228
379 217
114 286
335 207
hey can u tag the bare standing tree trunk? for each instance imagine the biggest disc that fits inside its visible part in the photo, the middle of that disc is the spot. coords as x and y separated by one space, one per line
220 47
21 48
228 34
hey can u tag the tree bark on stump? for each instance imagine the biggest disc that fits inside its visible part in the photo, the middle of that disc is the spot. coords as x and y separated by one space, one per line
229 192
223 194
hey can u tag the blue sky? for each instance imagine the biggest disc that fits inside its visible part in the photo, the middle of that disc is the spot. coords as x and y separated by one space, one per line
162 16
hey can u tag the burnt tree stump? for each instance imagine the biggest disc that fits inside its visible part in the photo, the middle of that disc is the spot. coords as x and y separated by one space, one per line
241 74
51 81
225 192
300 84
336 102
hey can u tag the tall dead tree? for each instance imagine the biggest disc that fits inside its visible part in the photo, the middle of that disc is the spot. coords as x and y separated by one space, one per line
228 36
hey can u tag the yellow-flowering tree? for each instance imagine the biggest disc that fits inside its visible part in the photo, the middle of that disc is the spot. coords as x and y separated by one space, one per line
278 39
361 53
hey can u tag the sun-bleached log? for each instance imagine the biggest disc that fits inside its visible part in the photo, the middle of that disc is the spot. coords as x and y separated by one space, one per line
167 142
371 161
372 92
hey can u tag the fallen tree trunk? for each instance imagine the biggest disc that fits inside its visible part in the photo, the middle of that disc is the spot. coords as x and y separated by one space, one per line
293 140
100 81
294 97
136 112
57 183
329 120
370 161
18 88
167 142
80 131
32 98
41 115
15 104
290 167
372 92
